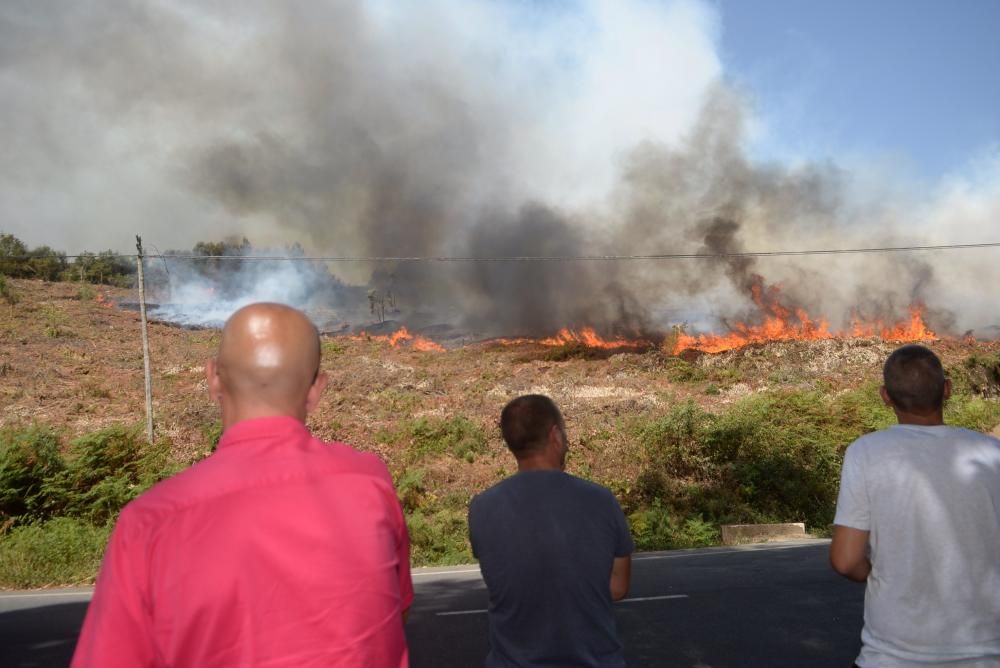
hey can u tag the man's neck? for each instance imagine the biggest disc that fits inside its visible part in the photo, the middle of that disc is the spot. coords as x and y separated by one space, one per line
235 413
537 464
930 420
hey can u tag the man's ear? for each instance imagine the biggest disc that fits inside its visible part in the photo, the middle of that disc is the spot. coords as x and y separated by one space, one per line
886 399
212 379
555 436
947 389
316 391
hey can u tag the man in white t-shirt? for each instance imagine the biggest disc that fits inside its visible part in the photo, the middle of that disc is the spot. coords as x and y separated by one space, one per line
918 520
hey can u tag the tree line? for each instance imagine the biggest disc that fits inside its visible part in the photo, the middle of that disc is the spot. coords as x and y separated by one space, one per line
109 267
47 264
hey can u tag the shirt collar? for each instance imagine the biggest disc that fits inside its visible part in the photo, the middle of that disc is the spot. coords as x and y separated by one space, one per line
261 428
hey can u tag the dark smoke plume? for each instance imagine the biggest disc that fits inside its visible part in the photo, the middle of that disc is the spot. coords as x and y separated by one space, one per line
451 129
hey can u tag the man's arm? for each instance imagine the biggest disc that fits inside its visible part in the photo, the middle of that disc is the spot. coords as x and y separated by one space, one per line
403 557
847 553
117 630
621 575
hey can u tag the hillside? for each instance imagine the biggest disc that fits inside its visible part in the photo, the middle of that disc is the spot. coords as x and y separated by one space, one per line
651 426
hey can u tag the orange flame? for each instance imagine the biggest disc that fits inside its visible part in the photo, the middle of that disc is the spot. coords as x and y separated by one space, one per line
781 325
398 337
805 329
585 337
912 330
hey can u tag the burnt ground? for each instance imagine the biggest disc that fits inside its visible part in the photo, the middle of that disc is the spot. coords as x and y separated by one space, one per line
71 359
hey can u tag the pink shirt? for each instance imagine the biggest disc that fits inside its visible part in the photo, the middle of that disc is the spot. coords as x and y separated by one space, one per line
278 550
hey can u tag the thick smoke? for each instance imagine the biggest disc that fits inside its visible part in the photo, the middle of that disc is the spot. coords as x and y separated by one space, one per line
452 128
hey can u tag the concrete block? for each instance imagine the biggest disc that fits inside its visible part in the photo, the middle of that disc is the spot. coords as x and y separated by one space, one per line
737 534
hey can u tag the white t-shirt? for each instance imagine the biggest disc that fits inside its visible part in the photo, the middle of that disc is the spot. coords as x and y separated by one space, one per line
930 496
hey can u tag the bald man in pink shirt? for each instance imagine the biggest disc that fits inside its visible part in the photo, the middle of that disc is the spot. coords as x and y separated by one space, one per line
277 550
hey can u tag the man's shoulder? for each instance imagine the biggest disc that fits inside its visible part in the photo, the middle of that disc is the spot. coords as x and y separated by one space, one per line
589 487
902 434
354 460
556 483
224 472
491 493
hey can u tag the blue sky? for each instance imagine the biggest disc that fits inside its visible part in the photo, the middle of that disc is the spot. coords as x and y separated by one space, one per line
916 82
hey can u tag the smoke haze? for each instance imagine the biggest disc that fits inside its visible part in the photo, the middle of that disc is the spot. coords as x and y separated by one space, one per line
445 127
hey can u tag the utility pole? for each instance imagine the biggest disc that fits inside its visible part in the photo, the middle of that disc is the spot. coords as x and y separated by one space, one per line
145 342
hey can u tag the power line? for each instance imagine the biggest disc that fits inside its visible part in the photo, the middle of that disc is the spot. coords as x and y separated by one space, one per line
523 258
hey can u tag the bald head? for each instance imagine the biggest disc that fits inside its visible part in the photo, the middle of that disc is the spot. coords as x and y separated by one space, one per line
267 364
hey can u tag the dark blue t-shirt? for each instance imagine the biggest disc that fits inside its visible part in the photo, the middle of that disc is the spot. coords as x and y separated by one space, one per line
546 542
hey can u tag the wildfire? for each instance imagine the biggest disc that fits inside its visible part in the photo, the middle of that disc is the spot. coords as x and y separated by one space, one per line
783 323
585 337
912 330
400 336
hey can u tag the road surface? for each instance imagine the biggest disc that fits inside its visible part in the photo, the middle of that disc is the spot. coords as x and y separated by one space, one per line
765 605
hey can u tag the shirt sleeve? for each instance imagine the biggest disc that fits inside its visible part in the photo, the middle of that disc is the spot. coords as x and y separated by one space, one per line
117 630
472 525
853 509
623 537
403 558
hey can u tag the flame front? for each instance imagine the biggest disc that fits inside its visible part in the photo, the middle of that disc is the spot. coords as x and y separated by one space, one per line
781 322
787 324
397 338
587 336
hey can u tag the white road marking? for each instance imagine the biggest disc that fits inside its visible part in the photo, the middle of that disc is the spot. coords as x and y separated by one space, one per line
679 554
708 552
417 574
653 598
54 594
665 597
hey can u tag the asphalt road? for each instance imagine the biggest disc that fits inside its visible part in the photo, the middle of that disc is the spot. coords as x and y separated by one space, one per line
770 605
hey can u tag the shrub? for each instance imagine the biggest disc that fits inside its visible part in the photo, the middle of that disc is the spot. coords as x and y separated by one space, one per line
672 442
7 292
651 528
973 413
459 437
650 485
105 470
781 454
212 434
410 489
61 551
439 536
654 529
977 374
696 532
28 458
862 411
678 370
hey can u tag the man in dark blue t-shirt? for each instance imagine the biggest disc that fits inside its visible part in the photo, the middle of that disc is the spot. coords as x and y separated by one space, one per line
554 550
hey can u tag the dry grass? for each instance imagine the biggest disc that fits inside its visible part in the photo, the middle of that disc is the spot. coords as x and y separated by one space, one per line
90 376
